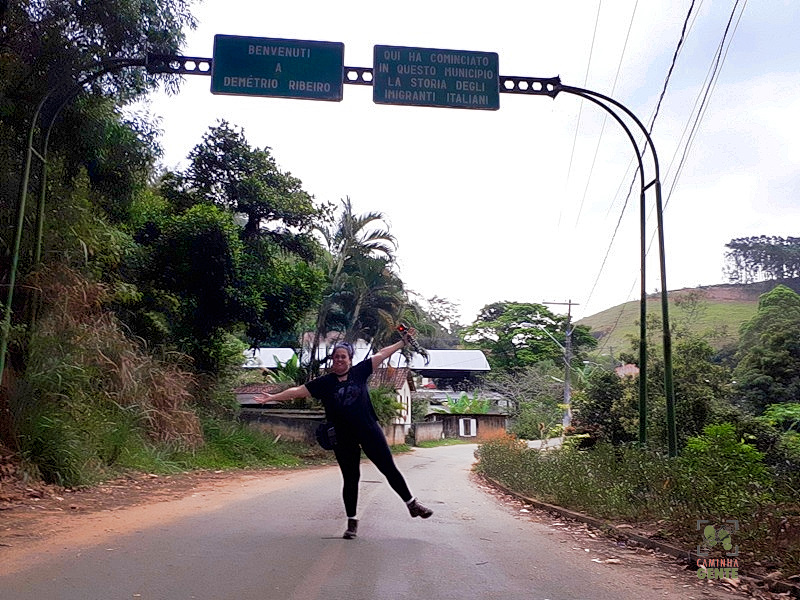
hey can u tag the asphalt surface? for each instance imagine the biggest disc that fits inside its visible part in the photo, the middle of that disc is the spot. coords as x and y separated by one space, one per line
281 539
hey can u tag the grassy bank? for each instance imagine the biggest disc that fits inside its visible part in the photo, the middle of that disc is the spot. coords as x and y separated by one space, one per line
716 481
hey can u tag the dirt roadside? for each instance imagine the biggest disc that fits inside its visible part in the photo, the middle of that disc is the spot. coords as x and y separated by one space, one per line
31 511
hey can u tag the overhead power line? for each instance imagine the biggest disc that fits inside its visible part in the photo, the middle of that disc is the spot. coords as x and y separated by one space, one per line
605 115
580 106
650 130
719 60
703 97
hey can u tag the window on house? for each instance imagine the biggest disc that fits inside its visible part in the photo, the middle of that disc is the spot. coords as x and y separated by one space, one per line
467 427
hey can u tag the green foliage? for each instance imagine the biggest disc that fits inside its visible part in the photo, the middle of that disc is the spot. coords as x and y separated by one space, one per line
49 441
276 291
228 172
364 297
464 405
701 387
538 420
726 473
534 394
89 392
627 483
234 445
288 372
768 371
384 401
419 410
719 478
436 322
786 417
605 410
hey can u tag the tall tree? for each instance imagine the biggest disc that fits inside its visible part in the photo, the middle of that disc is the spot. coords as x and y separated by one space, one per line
46 46
518 334
768 369
364 296
228 172
761 258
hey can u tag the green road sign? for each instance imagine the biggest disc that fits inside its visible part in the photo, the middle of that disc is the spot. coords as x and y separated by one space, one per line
277 68
432 77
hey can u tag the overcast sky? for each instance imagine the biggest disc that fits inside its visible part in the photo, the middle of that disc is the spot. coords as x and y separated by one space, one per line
520 204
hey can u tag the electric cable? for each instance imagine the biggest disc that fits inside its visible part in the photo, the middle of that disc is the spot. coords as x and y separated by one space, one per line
708 87
605 116
686 27
719 60
650 129
721 55
580 106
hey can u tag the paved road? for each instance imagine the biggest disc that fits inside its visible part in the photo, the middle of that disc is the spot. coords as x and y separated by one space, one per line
281 539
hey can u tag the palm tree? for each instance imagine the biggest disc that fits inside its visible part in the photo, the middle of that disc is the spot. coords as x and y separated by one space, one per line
364 296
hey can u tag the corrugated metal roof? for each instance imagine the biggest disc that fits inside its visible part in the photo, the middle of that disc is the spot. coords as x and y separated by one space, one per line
264 358
440 360
445 360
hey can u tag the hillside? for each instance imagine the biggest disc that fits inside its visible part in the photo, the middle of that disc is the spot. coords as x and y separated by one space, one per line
722 310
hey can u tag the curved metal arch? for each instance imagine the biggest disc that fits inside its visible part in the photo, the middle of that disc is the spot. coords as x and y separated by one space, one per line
603 101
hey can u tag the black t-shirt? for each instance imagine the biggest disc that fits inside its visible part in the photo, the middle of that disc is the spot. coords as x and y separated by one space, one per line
346 402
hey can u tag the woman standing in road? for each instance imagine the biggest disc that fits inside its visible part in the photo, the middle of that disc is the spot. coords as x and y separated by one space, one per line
345 396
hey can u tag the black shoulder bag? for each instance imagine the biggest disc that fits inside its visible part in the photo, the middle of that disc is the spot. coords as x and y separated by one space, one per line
326 435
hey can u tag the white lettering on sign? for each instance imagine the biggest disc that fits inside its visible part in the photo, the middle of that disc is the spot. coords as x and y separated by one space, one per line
415 70
250 82
471 86
279 51
309 86
468 73
468 99
409 96
428 84
460 59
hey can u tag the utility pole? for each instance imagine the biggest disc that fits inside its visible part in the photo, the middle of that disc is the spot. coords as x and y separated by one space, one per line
566 421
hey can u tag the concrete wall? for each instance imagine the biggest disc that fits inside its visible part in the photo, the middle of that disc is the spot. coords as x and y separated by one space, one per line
395 434
294 425
299 425
428 432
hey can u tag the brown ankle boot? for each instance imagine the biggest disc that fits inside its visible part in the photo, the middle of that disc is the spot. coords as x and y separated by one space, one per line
417 510
352 529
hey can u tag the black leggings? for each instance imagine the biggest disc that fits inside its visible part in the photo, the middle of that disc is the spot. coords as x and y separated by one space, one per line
348 448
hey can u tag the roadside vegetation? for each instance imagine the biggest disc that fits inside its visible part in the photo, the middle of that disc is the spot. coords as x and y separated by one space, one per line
716 479
738 433
131 312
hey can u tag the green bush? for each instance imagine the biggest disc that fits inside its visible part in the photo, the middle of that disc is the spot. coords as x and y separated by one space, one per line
384 401
718 477
536 420
723 474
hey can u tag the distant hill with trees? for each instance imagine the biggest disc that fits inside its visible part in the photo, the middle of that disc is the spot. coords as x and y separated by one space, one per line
715 311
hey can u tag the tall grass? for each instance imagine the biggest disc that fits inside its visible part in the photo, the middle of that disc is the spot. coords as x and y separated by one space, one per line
89 391
717 478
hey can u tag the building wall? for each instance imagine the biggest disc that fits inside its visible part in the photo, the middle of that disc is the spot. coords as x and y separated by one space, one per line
470 427
428 432
299 425
404 398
